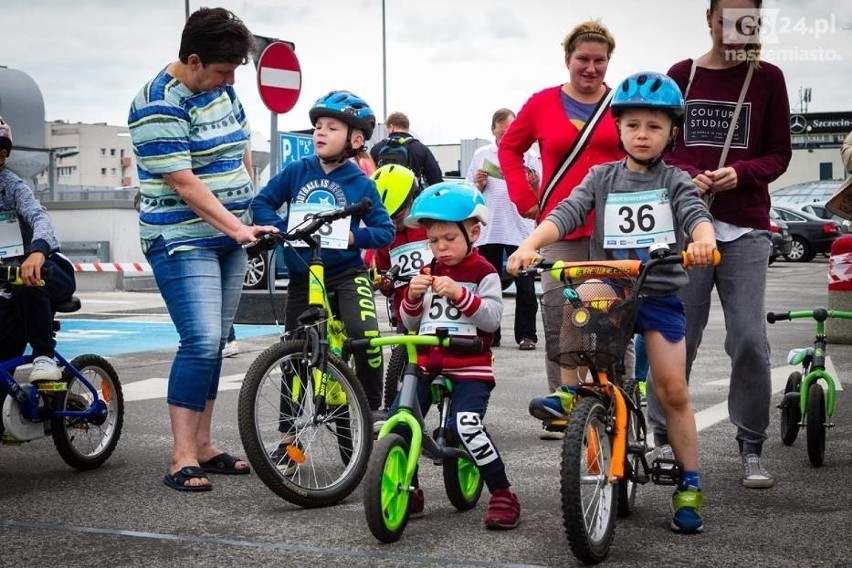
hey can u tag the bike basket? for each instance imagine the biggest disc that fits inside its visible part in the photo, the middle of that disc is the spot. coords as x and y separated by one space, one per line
589 324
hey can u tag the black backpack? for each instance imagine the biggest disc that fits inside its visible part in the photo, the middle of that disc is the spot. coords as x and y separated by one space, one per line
395 151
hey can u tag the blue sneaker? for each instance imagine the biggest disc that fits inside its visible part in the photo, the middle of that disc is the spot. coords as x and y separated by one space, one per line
556 405
686 504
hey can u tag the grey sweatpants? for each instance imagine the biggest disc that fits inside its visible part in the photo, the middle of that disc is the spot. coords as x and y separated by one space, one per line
740 281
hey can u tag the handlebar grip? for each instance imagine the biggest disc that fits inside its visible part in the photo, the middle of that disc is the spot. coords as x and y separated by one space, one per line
472 344
363 206
717 258
263 243
393 273
772 317
352 345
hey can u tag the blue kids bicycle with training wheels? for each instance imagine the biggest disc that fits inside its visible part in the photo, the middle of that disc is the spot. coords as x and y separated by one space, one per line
83 411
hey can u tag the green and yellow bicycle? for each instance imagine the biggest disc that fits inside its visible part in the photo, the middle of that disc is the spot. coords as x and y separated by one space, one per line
303 416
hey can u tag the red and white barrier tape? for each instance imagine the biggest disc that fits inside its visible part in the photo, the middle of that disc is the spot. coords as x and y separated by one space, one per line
112 267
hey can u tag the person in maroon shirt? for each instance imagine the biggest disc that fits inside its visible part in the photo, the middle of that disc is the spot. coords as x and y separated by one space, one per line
736 184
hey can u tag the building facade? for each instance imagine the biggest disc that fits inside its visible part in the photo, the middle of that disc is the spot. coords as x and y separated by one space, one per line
92 156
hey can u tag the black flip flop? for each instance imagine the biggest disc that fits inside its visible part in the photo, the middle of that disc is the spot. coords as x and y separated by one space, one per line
225 464
177 480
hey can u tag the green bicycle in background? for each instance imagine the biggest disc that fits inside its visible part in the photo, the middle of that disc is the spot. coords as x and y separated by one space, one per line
804 396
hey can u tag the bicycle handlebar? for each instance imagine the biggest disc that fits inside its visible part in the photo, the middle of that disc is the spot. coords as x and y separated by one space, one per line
468 344
11 274
818 314
314 222
581 270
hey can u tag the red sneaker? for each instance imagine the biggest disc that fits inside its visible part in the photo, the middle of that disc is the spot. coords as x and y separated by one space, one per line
504 510
418 503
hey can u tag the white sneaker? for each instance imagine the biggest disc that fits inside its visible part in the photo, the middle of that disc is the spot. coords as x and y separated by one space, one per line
45 369
231 349
664 452
754 476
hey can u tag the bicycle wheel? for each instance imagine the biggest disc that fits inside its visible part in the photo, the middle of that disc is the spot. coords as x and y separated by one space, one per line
387 501
87 444
791 414
588 499
462 482
393 374
815 424
309 455
632 460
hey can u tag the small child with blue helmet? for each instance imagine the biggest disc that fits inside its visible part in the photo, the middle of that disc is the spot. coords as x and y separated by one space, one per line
640 201
461 291
330 180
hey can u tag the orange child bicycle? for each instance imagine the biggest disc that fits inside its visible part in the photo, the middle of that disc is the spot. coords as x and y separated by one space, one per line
589 322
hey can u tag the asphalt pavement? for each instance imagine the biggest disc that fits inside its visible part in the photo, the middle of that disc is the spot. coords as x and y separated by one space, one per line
123 515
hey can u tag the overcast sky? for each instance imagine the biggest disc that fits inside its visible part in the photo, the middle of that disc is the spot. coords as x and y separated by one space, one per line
450 63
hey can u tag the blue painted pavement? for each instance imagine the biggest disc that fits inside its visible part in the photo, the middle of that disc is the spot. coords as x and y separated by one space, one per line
111 337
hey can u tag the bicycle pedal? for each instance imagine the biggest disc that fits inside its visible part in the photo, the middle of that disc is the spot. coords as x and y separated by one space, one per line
666 471
51 386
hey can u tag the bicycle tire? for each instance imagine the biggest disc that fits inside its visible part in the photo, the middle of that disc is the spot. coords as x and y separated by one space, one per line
331 459
387 501
816 424
81 443
627 486
791 414
463 482
393 374
588 499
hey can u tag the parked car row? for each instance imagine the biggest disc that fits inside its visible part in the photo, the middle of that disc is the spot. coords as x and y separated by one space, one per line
811 235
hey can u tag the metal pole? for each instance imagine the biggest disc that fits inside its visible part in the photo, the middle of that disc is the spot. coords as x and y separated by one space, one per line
384 66
274 158
186 9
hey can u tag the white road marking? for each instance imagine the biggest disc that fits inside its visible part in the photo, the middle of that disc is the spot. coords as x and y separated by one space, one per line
156 387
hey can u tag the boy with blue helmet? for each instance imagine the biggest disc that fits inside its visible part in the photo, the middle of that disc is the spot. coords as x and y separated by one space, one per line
461 291
329 180
663 206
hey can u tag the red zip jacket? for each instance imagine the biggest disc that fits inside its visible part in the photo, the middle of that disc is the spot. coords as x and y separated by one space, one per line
543 119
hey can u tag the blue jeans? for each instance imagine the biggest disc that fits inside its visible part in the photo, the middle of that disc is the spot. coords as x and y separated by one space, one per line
740 281
201 288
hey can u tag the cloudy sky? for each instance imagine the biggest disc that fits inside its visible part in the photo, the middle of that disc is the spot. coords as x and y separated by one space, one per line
450 63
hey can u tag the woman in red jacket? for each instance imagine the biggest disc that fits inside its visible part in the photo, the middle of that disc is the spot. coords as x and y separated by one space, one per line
575 131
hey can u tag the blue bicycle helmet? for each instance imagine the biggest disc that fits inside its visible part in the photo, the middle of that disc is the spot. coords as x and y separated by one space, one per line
448 201
649 90
349 108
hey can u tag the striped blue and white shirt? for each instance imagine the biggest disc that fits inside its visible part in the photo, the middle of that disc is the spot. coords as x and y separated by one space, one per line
174 129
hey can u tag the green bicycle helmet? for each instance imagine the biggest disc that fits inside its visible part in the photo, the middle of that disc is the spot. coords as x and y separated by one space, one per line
349 108
396 186
649 90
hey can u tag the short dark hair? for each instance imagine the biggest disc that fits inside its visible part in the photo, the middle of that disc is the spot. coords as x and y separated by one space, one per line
500 115
216 35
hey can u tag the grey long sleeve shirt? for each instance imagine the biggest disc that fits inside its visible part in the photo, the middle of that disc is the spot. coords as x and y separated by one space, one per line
687 211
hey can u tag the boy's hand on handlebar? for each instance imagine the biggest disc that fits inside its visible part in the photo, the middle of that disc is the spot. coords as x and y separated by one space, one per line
31 269
521 259
701 253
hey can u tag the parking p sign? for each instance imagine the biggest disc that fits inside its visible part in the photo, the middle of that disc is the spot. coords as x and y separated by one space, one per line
294 147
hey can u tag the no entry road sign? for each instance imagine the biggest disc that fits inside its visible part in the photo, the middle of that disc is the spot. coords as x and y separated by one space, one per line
279 77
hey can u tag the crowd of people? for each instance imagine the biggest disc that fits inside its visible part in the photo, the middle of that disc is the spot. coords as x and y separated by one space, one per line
198 205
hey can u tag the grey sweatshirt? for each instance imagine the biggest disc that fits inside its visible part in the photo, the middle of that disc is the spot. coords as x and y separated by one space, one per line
36 226
687 211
